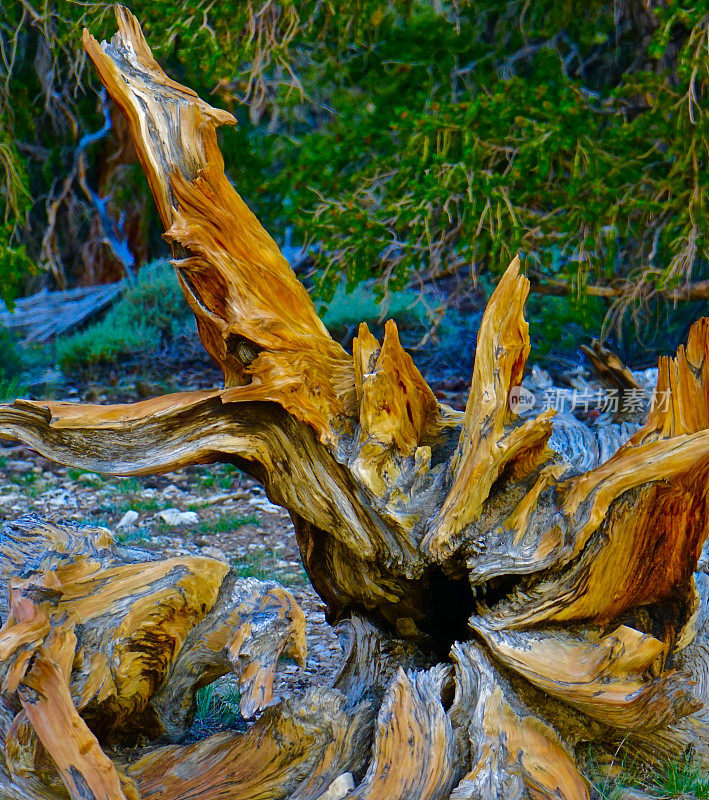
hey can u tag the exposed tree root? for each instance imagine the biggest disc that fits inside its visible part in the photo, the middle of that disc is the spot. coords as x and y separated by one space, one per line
502 607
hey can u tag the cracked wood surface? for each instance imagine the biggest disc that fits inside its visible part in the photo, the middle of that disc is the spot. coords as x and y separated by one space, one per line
503 607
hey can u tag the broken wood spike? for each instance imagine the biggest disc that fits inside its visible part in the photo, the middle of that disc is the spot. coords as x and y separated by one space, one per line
618 678
413 754
681 398
396 404
46 699
487 446
24 630
507 602
253 315
251 626
398 412
611 371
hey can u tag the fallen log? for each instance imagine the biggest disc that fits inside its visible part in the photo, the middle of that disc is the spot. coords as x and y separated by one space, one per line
502 609
44 315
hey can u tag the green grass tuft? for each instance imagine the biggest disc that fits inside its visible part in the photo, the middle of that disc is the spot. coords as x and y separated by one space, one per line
140 504
128 486
675 779
682 777
26 479
11 388
226 523
137 536
254 568
218 704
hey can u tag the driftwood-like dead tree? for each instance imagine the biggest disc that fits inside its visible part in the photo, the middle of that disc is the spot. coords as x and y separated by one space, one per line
501 612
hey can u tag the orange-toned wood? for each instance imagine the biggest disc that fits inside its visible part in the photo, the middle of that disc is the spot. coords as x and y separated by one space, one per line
503 608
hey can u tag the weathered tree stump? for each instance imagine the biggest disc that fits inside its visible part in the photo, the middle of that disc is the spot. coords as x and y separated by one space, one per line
502 611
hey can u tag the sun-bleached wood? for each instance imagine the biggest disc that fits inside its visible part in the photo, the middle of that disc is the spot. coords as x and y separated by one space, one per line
503 604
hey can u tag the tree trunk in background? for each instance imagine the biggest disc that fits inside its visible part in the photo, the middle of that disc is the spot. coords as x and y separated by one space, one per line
502 612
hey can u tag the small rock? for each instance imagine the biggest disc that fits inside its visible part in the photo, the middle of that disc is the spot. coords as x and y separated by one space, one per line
89 478
93 394
128 520
170 490
146 389
19 466
61 499
214 552
173 516
339 787
263 504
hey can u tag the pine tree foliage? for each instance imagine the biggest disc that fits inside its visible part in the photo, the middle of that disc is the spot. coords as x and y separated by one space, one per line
398 138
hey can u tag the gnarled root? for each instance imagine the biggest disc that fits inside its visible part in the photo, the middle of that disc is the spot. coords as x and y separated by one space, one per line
505 602
101 644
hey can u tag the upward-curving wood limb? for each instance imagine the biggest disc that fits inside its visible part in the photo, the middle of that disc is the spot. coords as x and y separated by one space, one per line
254 316
502 608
